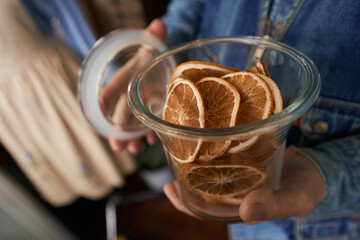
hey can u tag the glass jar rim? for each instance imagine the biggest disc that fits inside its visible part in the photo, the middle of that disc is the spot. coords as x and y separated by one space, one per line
288 115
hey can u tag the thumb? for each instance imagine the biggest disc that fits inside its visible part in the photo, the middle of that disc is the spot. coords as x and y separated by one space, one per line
265 204
157 28
302 187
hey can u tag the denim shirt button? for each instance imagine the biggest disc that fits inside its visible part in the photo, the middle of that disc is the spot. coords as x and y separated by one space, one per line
321 127
55 22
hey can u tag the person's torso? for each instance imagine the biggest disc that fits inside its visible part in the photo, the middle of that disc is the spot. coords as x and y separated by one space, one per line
326 31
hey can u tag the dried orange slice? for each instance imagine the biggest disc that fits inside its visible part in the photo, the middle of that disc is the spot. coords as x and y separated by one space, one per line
267 144
262 69
275 91
184 106
194 70
256 103
221 181
224 200
221 101
253 69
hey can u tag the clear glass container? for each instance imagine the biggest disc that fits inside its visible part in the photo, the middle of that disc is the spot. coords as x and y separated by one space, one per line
299 82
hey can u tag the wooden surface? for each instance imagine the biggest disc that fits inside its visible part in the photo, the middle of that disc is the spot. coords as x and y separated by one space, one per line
158 219
142 214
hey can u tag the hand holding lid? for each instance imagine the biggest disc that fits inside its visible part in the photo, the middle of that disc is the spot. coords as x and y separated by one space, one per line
104 78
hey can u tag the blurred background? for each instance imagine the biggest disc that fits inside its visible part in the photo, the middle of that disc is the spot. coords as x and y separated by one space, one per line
132 206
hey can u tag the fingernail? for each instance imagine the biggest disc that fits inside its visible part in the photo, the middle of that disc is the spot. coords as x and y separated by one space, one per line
151 141
257 212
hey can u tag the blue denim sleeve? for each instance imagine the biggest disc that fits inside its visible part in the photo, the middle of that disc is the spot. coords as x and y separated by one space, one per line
65 19
182 20
339 164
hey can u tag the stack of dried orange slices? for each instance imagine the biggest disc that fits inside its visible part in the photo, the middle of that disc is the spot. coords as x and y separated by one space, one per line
207 95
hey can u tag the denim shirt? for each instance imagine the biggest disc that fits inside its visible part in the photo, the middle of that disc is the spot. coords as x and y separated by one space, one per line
64 19
329 133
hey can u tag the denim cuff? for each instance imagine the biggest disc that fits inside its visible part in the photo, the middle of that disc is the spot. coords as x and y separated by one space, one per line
339 163
310 154
182 20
